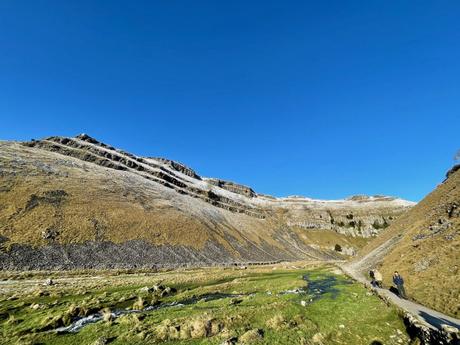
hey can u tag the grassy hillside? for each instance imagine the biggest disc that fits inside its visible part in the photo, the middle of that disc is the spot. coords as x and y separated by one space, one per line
425 249
69 203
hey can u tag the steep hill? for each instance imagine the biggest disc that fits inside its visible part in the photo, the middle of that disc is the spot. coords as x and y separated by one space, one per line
79 203
424 246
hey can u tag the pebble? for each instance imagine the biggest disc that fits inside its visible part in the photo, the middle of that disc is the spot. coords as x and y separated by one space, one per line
48 282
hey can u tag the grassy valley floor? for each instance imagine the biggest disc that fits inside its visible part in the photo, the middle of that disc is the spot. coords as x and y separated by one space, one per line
280 304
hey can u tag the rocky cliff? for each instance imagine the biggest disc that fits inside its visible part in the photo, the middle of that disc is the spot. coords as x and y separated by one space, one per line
79 203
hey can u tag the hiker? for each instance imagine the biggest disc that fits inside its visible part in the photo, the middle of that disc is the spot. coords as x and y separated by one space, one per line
399 282
373 282
378 278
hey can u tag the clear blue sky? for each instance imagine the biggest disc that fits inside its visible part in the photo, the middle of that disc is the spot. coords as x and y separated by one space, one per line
324 99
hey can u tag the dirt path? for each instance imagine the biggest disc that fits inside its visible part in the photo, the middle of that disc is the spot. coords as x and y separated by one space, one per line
429 317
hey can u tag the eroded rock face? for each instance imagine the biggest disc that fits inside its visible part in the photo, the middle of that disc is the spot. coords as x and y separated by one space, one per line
170 174
178 167
357 216
79 203
232 187
356 220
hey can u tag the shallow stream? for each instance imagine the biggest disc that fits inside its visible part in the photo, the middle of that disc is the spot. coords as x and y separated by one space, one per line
315 289
78 324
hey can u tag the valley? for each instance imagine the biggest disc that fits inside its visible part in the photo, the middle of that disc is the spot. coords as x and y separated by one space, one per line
300 303
99 245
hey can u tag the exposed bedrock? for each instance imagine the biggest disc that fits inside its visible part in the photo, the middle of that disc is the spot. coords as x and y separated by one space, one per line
171 174
79 203
141 254
356 223
232 187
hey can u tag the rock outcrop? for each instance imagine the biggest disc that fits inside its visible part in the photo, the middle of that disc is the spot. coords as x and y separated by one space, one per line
166 172
79 203
232 187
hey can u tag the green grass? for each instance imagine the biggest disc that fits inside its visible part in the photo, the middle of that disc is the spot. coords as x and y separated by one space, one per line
352 316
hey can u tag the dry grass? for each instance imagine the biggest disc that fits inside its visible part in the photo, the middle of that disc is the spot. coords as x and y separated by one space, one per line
103 204
429 263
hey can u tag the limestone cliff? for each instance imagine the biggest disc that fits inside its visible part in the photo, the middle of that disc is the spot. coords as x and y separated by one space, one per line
77 202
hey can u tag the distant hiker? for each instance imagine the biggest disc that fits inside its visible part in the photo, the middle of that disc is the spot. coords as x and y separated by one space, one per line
376 277
399 282
373 282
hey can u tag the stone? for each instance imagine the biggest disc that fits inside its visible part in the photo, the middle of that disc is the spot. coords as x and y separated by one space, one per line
235 301
50 234
199 328
317 338
276 322
107 314
451 333
158 288
423 264
251 336
145 289
101 341
139 304
347 250
48 282
230 341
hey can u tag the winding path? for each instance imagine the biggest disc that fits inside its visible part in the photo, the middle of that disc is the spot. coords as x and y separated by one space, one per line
428 317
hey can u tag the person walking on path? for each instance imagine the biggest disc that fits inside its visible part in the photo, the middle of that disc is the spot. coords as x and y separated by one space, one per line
378 278
399 282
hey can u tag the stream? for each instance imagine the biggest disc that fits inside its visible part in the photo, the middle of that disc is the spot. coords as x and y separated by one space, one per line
319 286
314 289
83 321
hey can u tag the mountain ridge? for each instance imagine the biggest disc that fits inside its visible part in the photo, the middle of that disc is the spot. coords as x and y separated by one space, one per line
69 198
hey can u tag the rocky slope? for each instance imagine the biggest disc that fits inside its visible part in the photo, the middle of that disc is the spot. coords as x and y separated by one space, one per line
79 203
424 246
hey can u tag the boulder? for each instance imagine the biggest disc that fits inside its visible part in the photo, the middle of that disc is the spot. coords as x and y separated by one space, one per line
252 336
450 333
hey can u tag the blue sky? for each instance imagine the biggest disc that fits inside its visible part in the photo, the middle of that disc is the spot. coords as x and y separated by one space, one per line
324 99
